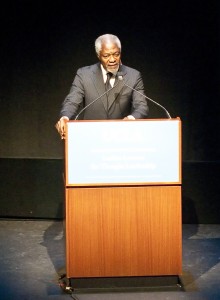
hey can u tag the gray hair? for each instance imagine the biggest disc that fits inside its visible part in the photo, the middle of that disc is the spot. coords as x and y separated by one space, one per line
104 39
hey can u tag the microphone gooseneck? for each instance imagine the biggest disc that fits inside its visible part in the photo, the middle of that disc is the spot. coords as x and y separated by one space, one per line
106 92
120 77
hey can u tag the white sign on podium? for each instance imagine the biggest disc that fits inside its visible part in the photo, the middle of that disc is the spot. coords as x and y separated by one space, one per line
117 152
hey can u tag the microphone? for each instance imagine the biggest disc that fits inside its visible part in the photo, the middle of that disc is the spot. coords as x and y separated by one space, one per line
106 92
120 77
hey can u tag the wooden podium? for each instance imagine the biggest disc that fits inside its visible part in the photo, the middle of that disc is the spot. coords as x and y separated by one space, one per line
123 199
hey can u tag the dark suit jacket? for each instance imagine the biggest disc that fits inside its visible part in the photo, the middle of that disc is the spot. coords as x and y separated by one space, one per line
121 101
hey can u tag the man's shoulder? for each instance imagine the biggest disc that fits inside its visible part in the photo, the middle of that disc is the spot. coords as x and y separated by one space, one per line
88 69
127 69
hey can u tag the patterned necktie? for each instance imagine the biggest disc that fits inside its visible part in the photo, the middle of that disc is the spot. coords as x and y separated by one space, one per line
107 84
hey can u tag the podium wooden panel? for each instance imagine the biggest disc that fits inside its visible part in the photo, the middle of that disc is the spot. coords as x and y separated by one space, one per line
123 231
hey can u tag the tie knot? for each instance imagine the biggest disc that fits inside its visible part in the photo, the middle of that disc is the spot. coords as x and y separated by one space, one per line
107 83
109 75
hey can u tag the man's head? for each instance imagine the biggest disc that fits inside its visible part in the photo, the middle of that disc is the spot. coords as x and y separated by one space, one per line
108 50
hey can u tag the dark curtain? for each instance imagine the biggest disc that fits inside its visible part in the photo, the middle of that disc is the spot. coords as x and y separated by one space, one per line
174 45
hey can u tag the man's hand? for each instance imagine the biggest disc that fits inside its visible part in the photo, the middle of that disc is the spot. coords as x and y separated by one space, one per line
130 117
61 127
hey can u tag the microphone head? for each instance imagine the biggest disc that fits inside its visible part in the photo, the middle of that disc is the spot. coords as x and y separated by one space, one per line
120 75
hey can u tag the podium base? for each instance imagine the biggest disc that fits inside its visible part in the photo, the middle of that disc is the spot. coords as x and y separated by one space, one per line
119 284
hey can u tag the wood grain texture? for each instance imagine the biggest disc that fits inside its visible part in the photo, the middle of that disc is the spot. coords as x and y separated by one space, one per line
123 231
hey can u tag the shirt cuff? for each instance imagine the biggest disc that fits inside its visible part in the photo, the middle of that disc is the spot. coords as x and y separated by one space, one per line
64 118
130 117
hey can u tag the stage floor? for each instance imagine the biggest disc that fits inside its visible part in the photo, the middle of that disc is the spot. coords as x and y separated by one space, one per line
32 258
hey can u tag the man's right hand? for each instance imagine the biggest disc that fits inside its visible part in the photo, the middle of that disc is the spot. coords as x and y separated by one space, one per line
61 127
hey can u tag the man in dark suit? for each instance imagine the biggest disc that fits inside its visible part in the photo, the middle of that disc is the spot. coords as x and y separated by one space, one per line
88 98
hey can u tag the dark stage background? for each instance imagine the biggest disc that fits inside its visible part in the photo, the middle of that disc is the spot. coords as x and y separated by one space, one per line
174 45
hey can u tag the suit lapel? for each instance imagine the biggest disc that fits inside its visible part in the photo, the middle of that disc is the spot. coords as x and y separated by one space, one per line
99 85
115 93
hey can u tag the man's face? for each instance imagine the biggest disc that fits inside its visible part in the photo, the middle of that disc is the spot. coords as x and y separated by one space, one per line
110 57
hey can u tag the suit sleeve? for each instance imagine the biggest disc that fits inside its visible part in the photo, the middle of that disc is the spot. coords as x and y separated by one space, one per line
140 107
74 100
